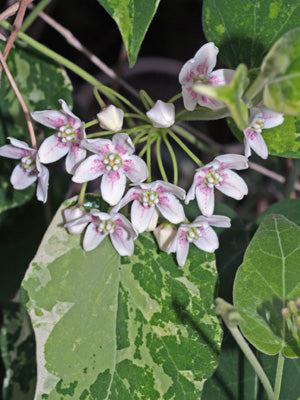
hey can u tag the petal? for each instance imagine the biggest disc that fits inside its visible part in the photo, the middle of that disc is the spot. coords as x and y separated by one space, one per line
190 98
162 115
221 77
271 118
113 186
182 247
51 118
100 146
89 169
162 187
92 237
122 144
209 241
20 144
20 179
171 208
205 199
219 221
43 182
10 151
122 242
186 74
132 194
75 156
206 58
141 216
123 222
153 222
247 147
210 103
232 161
135 168
52 149
256 142
232 185
67 110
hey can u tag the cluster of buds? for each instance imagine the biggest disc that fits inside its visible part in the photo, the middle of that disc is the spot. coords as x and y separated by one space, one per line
291 314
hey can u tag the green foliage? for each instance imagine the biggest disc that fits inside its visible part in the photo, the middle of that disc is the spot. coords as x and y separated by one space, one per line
245 30
289 208
133 18
118 327
267 279
202 114
10 198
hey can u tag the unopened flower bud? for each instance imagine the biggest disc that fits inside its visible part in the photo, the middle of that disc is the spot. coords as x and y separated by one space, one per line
293 307
162 115
286 314
164 235
111 118
71 214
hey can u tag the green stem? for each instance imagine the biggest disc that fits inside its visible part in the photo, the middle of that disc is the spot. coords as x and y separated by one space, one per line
174 98
159 160
293 330
91 123
256 87
33 15
174 161
148 149
136 116
81 195
99 134
99 98
279 371
192 139
146 99
138 137
186 149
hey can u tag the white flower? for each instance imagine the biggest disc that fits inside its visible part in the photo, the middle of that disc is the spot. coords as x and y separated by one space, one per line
218 174
199 70
164 235
260 118
200 234
162 115
111 118
28 170
73 214
67 139
148 199
121 232
115 161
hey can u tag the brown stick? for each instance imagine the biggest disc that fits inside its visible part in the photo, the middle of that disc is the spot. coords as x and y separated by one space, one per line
11 10
20 99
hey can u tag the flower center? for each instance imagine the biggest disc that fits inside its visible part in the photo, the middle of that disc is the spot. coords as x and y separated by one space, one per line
193 234
259 124
28 163
213 178
66 133
149 198
106 226
112 161
202 79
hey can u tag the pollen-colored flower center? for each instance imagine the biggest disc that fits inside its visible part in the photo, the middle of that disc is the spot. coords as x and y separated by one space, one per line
106 226
112 162
149 198
193 234
258 124
28 163
213 178
202 79
66 133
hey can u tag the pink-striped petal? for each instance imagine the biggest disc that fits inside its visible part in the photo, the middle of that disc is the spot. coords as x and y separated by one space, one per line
89 169
43 182
21 179
52 149
135 169
205 199
122 144
210 103
68 112
132 194
205 59
256 142
190 98
141 216
186 74
209 241
232 185
162 187
50 118
92 237
171 208
221 77
10 151
122 241
182 247
219 221
75 156
123 222
113 186
99 146
271 118
232 161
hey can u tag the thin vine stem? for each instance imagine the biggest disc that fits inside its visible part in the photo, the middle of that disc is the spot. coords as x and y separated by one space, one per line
185 148
148 156
159 160
34 14
146 99
174 161
174 98
192 139
91 123
279 371
99 98
136 116
139 136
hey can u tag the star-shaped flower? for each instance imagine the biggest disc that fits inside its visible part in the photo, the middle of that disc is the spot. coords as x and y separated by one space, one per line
260 118
28 170
199 70
114 161
218 174
151 198
67 139
200 234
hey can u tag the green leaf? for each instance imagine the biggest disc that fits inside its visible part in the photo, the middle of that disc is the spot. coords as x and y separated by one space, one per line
133 18
245 30
267 279
283 140
10 198
18 352
118 327
282 92
41 83
289 208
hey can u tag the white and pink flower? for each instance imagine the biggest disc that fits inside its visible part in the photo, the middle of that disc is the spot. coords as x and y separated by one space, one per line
100 224
151 198
200 234
198 70
67 139
218 174
114 161
260 118
162 115
28 170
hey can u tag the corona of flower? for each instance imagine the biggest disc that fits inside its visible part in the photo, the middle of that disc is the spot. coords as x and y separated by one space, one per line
218 174
114 161
199 70
28 170
200 234
67 139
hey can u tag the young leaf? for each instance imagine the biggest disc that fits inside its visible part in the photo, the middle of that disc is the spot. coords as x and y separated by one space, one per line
133 19
111 327
245 30
267 279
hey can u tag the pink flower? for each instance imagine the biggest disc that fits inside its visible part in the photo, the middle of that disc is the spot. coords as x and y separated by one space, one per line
200 233
149 198
28 170
162 115
115 161
121 232
218 174
260 118
67 139
198 70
